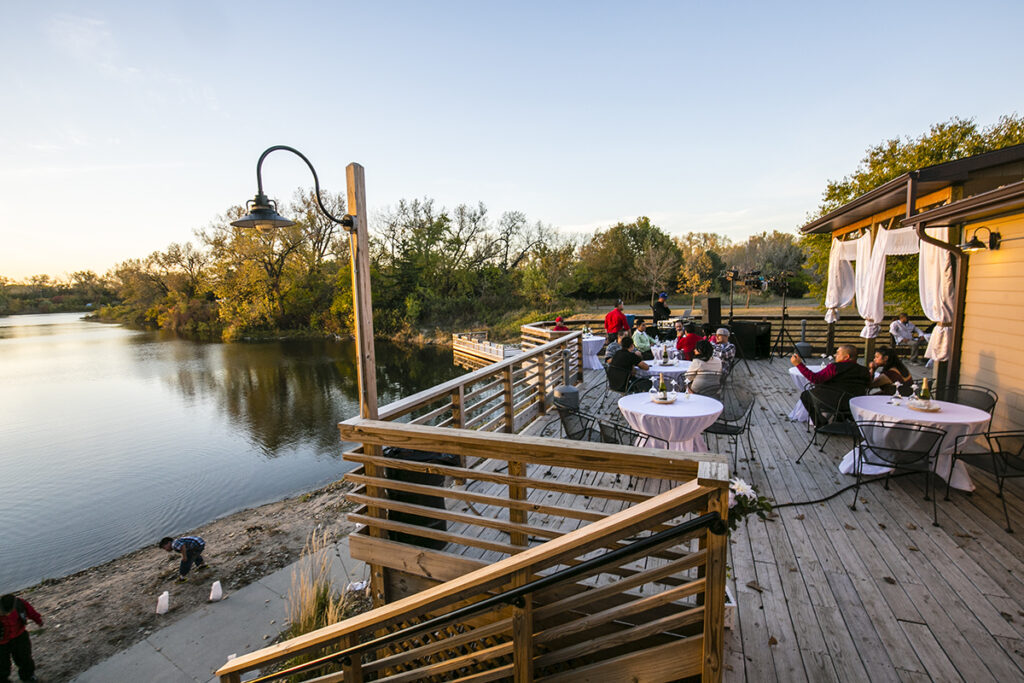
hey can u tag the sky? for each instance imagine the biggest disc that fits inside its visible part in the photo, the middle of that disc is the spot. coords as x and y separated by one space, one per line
126 126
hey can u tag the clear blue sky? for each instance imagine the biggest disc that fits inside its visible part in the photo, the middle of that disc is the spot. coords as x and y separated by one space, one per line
128 125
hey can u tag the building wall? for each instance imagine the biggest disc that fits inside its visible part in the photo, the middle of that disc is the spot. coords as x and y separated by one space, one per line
993 348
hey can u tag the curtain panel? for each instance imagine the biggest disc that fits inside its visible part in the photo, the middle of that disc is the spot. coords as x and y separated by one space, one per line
937 289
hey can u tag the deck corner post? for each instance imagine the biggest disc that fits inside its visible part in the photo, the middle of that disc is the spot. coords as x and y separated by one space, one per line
717 546
522 634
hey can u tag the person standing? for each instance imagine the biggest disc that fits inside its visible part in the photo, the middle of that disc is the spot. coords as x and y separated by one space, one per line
191 549
661 311
14 640
615 322
560 326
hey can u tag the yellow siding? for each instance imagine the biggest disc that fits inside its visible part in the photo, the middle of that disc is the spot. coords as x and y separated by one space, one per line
993 349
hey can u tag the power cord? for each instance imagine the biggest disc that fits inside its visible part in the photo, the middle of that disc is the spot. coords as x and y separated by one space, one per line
842 490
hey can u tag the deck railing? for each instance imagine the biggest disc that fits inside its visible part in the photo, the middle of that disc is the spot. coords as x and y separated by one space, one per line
503 396
651 615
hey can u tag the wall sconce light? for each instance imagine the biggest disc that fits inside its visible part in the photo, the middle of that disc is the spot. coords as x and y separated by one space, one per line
974 244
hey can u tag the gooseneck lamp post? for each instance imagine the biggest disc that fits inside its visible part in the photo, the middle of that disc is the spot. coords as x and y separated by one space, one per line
262 215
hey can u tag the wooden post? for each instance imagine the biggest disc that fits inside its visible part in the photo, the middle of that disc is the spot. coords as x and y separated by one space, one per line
542 388
579 359
516 469
353 671
522 634
366 364
830 340
714 605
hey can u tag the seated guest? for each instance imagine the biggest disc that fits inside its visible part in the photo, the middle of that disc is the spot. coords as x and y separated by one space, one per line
642 341
609 352
559 325
687 341
890 371
621 368
724 349
845 376
903 331
615 321
705 373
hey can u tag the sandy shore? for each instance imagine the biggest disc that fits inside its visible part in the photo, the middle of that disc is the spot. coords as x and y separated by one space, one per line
94 613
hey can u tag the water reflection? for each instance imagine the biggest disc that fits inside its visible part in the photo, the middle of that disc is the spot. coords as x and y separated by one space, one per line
112 437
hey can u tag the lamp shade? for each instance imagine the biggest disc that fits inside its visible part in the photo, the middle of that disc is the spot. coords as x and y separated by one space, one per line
262 215
972 245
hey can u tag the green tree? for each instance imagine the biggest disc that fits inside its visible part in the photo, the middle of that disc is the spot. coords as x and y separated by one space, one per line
950 140
609 261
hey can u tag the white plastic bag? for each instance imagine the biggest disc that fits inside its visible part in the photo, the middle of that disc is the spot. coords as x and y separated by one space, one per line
163 602
216 593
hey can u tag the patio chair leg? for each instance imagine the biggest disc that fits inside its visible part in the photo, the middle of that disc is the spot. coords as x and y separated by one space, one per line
804 452
856 492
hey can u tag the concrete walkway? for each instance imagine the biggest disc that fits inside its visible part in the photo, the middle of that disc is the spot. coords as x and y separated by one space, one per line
192 648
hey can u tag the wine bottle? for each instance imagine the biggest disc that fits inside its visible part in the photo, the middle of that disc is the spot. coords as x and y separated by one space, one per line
662 391
926 393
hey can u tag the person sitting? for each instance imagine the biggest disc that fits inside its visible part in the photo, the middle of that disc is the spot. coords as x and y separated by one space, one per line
903 331
559 325
661 309
844 377
621 369
891 371
687 341
615 321
642 341
724 349
705 373
610 350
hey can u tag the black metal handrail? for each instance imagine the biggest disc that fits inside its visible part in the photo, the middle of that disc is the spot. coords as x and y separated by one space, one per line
514 596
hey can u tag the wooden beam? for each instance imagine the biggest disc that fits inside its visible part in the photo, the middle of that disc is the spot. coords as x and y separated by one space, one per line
898 211
366 363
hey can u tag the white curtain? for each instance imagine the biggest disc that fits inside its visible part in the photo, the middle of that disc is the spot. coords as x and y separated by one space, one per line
841 283
870 277
902 241
937 290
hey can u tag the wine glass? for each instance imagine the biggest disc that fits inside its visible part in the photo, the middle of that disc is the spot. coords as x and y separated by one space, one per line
894 400
686 388
674 393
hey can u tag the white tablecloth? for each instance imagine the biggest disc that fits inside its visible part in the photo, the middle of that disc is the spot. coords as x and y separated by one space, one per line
954 418
591 346
799 413
675 372
680 423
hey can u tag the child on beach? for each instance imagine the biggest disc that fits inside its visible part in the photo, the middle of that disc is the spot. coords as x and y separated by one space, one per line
14 641
191 549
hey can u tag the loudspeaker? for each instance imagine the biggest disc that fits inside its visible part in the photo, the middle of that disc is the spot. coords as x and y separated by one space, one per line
712 308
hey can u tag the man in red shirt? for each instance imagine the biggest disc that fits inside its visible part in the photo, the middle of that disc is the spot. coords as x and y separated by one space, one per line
615 322
14 642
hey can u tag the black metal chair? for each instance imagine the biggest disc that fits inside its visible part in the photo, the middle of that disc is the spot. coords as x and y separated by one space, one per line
627 436
1004 460
706 383
738 408
970 395
625 384
578 426
902 446
830 416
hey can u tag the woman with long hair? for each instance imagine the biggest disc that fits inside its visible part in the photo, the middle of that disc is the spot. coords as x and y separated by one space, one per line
705 373
892 370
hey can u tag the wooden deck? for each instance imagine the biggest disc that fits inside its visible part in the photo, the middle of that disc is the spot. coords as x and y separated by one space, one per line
827 593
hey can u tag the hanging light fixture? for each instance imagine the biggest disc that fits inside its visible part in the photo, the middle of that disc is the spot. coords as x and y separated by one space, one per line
974 244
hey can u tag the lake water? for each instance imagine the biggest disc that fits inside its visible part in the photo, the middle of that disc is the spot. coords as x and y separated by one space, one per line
112 438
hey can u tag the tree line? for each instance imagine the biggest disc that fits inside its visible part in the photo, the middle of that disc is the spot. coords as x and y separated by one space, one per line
438 268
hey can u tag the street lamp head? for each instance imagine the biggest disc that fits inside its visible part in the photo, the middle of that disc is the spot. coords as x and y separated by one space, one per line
262 215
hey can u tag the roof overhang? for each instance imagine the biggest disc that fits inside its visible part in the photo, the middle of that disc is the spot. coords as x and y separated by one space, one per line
992 204
894 192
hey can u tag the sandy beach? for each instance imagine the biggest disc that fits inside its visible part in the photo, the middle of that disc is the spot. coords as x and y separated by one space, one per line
94 613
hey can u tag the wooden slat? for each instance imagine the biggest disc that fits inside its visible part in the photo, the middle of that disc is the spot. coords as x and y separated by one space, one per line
428 532
668 662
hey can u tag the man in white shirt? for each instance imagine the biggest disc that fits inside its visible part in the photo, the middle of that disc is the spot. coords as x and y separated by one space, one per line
903 331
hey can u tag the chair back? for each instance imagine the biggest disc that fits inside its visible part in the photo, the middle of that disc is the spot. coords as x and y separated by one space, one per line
902 445
737 402
576 425
830 405
622 435
706 383
970 395
1008 452
618 379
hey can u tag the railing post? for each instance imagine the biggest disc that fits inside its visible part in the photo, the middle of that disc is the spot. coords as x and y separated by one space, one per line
522 634
542 388
515 469
579 359
716 546
510 413
566 354
353 671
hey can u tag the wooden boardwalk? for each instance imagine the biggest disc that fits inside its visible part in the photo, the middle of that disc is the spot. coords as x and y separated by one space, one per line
877 594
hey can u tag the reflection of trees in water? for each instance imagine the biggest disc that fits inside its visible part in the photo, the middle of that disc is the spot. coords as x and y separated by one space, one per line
295 392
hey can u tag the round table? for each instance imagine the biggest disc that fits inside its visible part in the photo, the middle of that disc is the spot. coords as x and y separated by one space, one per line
592 344
955 419
799 413
680 424
675 372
